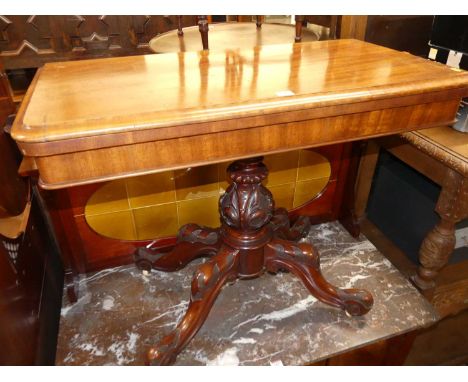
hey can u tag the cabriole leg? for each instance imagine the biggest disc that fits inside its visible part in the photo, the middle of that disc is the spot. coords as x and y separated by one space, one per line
283 229
206 285
193 241
303 260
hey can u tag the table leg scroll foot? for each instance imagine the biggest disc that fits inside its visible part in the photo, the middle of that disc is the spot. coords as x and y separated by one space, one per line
303 260
206 285
193 241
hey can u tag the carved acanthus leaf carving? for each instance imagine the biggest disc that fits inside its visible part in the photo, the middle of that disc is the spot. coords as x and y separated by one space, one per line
247 204
193 233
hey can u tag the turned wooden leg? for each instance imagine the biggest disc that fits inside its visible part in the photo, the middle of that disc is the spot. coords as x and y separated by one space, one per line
303 260
193 241
206 285
180 32
438 245
259 21
299 23
283 229
203 28
71 283
333 27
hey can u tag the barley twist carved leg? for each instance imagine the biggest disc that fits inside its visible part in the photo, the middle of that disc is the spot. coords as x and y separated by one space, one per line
206 285
193 241
438 245
303 260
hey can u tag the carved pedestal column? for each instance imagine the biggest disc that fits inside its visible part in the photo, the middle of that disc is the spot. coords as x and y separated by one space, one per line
253 237
439 243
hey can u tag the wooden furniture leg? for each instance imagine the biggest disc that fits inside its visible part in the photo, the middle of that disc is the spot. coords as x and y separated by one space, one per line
259 21
347 216
364 177
333 27
203 28
283 229
438 245
193 242
60 209
180 32
206 285
303 260
251 239
299 23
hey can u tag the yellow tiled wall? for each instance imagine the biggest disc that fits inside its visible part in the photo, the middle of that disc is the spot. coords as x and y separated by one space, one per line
156 205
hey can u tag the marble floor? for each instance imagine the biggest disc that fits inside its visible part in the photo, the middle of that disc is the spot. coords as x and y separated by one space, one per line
269 320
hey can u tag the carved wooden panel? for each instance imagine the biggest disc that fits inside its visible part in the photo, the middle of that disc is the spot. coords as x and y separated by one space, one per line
31 41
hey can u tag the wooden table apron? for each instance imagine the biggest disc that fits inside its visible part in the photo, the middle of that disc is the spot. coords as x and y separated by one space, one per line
86 122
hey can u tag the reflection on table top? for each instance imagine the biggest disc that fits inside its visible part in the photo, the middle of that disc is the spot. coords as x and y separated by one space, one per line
229 36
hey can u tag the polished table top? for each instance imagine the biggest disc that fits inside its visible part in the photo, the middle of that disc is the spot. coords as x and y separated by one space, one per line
79 117
83 98
225 35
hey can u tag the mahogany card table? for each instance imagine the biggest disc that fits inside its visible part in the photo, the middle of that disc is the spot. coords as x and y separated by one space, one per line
97 120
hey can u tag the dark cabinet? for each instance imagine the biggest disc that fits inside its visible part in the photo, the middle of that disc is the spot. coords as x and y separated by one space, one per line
31 276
